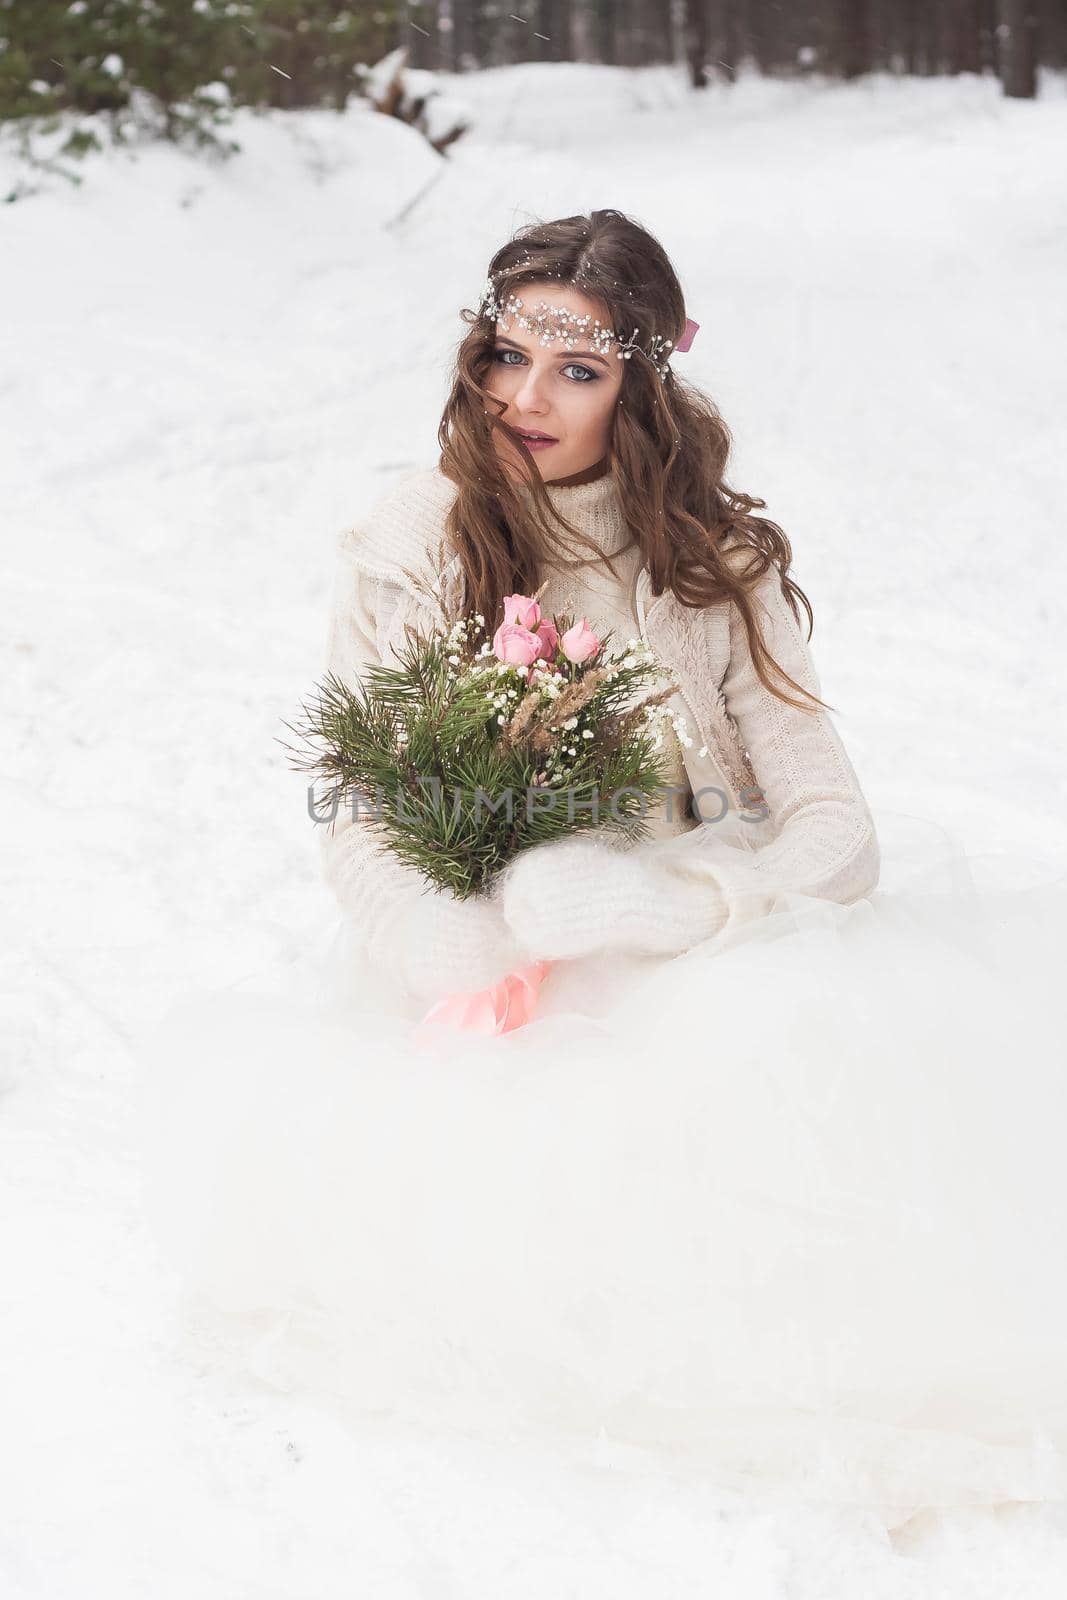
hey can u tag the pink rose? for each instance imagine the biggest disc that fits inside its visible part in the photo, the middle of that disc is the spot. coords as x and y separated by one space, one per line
516 646
521 609
580 642
546 632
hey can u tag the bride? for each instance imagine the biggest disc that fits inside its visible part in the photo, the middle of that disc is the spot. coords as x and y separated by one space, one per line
770 1184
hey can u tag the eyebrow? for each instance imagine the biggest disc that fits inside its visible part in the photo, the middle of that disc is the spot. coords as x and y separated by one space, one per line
589 355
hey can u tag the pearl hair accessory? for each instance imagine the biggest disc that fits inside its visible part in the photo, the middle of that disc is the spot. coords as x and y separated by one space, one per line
557 322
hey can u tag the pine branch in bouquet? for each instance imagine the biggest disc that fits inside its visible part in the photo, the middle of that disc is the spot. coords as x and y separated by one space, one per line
458 760
392 745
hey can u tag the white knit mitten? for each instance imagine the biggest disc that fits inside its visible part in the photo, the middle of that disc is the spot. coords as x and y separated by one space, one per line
438 944
587 894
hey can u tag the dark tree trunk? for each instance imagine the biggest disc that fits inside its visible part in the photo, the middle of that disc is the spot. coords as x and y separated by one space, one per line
908 36
1052 33
627 51
854 48
657 26
960 48
552 31
926 53
485 35
777 53
462 52
756 33
605 41
726 41
696 42
880 35
1017 35
987 35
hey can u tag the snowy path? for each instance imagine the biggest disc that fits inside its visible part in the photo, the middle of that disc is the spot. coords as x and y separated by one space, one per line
209 373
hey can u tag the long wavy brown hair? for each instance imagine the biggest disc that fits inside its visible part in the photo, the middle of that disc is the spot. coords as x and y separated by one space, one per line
668 450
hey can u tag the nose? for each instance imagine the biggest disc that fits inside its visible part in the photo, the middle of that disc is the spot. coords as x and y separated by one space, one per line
529 396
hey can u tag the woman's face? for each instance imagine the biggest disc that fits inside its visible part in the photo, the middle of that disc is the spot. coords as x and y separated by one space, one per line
570 395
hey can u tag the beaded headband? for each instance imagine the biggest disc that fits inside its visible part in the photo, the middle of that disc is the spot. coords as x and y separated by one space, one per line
556 322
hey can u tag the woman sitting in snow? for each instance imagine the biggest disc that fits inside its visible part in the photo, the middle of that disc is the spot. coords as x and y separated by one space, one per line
576 462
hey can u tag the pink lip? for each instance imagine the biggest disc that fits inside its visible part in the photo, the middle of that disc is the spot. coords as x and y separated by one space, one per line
538 444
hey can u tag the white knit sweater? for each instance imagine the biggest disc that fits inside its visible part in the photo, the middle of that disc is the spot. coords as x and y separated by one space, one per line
588 894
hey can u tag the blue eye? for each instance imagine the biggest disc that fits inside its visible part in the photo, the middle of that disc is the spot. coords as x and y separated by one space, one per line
590 375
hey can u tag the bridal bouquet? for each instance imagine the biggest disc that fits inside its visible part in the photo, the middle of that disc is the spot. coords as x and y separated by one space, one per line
475 747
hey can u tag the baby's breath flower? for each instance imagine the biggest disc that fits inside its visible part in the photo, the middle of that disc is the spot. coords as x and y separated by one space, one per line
681 729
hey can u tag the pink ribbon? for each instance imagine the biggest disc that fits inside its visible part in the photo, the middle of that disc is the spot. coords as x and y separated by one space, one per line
509 1004
688 336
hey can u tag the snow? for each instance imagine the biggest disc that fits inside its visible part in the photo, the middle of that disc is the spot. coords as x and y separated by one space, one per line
209 370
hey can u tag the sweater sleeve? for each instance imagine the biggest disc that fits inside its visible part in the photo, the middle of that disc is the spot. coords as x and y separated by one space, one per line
367 880
586 893
824 841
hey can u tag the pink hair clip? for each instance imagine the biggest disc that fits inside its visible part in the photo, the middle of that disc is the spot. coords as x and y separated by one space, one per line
688 336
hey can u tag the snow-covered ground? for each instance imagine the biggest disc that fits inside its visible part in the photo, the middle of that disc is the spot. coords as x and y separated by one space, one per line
207 372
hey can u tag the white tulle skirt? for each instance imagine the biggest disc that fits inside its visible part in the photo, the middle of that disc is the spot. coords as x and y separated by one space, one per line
792 1214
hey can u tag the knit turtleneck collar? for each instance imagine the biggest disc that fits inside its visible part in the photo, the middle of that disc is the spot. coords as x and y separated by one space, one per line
592 506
